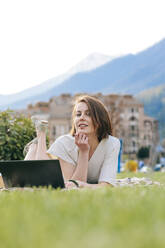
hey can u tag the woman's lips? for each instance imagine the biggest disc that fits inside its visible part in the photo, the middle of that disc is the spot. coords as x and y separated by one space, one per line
82 126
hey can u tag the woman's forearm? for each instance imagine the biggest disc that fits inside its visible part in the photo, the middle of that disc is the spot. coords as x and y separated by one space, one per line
98 185
81 184
81 170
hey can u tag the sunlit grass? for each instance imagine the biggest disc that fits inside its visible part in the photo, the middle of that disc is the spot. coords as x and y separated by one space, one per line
110 217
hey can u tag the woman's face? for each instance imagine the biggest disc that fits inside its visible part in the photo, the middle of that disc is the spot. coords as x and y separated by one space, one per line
82 120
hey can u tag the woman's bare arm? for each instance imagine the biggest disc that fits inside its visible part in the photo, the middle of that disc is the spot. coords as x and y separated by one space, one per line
81 184
76 173
69 172
80 171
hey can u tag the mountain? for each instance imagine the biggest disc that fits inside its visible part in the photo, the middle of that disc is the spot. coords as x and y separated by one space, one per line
90 62
129 74
154 105
7 100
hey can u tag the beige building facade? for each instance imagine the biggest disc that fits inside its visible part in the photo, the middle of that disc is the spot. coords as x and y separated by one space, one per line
127 115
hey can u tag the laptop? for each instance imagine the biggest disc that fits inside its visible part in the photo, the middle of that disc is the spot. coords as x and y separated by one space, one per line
29 173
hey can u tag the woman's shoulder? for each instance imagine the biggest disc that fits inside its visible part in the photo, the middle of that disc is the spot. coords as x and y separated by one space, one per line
66 140
112 142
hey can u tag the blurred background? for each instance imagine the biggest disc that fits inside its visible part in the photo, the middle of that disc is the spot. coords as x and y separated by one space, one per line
52 51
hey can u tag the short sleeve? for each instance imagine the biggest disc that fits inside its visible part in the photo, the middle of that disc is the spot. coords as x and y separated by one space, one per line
109 167
61 149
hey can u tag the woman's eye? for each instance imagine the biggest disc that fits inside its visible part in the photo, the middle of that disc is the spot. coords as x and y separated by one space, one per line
79 114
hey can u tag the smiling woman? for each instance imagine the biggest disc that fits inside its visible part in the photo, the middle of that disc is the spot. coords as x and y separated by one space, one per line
89 154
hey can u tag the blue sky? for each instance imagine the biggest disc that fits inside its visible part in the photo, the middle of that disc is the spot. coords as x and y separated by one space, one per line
41 39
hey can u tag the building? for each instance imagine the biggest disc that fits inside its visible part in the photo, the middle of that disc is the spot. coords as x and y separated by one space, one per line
127 115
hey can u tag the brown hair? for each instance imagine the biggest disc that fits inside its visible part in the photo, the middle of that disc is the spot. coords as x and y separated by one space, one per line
99 114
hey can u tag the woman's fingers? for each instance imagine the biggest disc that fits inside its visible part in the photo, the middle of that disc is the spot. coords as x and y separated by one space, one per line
70 185
86 140
80 138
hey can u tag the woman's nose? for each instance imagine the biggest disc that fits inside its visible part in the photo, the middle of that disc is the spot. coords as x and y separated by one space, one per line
82 116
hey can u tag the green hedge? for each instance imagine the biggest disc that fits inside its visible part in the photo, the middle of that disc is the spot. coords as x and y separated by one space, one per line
15 133
143 152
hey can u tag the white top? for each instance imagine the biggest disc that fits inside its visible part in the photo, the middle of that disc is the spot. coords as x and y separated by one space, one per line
102 166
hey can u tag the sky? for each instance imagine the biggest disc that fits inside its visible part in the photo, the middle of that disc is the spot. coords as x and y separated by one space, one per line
41 39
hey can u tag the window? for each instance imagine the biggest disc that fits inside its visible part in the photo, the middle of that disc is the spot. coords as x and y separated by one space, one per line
147 124
133 143
62 131
132 128
132 118
54 130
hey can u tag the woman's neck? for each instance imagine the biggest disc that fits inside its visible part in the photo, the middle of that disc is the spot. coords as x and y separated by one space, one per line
93 143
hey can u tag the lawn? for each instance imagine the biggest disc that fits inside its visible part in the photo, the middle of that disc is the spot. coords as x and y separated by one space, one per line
120 217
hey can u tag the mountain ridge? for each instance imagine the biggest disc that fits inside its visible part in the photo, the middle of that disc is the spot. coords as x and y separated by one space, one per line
154 105
88 63
129 74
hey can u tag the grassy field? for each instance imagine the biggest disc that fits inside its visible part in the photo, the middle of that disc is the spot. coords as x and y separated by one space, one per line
130 217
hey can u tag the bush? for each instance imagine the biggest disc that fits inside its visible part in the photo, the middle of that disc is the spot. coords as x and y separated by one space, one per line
15 133
143 152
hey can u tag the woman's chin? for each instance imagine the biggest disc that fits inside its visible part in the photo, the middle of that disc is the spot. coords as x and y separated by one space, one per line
82 130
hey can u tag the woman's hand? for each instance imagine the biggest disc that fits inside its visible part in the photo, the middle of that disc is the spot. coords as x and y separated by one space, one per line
71 185
81 140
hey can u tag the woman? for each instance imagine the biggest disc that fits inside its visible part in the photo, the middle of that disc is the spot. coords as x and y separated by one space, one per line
89 154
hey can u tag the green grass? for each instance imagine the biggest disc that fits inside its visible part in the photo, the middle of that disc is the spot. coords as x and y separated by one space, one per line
128 217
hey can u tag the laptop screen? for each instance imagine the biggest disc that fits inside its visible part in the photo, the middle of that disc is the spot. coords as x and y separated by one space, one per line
24 173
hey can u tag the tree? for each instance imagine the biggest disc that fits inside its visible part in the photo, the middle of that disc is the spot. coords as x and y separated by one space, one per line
143 152
15 133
